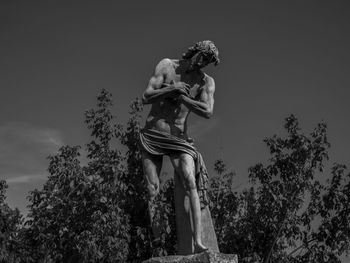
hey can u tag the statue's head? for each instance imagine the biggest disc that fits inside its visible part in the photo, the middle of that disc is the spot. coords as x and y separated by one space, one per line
202 54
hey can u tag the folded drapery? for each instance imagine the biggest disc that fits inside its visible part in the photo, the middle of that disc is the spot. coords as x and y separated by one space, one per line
162 143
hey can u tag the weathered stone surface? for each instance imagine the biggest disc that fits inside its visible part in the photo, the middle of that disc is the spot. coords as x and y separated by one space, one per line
204 257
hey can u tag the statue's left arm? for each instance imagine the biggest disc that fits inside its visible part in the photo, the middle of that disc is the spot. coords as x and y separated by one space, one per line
204 106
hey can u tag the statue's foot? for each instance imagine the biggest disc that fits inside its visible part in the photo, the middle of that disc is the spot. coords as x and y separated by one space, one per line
198 248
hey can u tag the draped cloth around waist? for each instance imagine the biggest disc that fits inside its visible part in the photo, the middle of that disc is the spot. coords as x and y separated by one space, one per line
162 143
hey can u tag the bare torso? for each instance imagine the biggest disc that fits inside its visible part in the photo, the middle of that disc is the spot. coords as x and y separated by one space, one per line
168 114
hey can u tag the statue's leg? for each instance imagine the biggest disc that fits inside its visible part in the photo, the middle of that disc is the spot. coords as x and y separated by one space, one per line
184 166
152 165
184 224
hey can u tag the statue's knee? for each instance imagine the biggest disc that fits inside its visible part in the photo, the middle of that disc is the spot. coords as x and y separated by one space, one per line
190 183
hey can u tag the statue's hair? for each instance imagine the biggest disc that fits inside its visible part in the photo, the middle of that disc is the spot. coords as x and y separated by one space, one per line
206 47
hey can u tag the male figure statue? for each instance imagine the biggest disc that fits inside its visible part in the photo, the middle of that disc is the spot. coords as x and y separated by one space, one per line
177 88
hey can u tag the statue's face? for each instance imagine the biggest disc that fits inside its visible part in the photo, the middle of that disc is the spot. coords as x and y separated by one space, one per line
200 60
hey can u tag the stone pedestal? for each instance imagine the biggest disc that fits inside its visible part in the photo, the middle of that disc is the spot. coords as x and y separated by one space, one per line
184 223
204 257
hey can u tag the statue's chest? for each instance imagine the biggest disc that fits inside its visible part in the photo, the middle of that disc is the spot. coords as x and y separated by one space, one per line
195 83
195 90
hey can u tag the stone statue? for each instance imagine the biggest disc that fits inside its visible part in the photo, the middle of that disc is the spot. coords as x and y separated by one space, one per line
178 87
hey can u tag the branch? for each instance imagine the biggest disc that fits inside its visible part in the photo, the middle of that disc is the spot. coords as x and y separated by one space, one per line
274 241
301 246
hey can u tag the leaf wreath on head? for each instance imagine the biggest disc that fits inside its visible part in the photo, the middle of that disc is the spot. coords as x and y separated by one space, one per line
207 48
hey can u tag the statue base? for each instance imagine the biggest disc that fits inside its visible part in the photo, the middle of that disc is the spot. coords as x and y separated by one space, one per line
204 257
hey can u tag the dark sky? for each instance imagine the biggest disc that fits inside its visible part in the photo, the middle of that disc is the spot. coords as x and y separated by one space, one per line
278 58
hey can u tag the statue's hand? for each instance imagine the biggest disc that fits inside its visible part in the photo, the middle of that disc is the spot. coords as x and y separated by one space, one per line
179 87
182 87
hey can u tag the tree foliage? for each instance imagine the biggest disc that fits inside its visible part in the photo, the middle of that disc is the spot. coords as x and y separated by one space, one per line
10 229
287 215
78 215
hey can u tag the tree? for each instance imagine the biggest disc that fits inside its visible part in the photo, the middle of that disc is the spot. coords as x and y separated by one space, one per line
10 227
77 216
265 223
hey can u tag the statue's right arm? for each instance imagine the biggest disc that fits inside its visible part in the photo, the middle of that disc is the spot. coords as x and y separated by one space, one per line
156 88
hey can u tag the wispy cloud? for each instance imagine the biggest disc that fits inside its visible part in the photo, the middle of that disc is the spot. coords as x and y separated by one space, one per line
15 133
23 151
24 148
25 178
